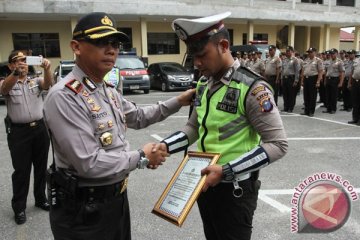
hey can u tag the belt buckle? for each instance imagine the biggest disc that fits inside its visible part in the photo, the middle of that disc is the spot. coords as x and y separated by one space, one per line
124 184
32 124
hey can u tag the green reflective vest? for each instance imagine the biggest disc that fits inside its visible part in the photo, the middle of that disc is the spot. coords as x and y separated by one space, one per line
224 127
113 77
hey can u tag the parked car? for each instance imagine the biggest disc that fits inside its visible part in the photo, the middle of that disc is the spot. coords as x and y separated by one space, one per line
133 72
63 69
169 76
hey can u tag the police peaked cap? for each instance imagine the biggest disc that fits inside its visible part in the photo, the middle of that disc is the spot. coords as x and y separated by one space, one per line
190 30
15 55
97 25
311 49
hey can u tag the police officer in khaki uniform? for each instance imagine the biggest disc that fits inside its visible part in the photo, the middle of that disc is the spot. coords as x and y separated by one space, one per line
346 94
273 71
354 85
234 109
311 74
256 64
290 79
26 133
333 81
87 120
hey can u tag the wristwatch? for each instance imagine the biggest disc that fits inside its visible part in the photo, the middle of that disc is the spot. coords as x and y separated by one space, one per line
143 162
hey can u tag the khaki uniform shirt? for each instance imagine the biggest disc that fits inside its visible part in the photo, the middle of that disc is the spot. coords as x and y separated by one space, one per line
335 68
271 64
290 66
89 128
356 69
24 101
257 66
268 124
312 66
348 67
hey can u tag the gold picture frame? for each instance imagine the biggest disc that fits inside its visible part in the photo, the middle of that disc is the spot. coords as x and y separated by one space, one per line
184 187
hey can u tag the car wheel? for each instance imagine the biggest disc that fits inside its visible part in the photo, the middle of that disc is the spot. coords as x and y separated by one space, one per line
164 87
146 91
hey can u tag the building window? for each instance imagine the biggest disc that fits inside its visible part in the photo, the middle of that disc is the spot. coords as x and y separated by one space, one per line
312 1
45 44
127 46
348 3
163 43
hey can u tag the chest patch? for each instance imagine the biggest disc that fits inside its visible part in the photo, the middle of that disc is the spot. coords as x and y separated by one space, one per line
230 101
199 95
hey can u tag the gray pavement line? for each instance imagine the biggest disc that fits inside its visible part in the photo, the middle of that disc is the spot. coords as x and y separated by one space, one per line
327 120
157 137
324 138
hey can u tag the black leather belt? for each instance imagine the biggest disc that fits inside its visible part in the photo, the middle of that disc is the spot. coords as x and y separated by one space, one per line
332 77
30 124
356 80
310 76
102 192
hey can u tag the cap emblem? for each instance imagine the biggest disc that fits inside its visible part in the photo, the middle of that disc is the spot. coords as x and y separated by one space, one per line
106 21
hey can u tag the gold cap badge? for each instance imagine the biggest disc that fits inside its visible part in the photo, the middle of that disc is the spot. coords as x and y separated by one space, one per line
106 21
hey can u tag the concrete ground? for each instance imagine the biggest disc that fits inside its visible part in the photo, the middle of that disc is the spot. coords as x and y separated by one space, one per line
324 143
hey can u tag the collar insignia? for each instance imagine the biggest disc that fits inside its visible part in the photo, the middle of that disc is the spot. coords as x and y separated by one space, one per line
89 84
74 85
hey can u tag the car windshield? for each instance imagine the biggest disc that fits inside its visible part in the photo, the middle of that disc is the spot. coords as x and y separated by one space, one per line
66 70
172 68
129 63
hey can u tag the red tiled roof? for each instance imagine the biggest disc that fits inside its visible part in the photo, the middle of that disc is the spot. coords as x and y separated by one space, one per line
346 37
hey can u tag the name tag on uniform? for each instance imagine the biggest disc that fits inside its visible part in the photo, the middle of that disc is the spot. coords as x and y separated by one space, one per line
230 101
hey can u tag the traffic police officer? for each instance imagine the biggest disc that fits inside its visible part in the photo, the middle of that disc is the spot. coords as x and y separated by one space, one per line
354 85
87 120
290 79
273 71
234 110
346 94
26 133
333 81
311 74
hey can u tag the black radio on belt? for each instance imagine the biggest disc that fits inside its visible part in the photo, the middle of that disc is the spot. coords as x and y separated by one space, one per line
51 186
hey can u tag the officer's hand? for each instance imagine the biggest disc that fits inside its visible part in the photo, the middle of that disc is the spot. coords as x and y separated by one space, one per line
185 98
162 147
155 157
214 176
45 64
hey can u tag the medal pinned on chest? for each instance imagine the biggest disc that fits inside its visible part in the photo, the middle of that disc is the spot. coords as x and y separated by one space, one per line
106 139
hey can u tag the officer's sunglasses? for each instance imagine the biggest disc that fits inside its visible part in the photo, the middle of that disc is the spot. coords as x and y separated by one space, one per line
103 42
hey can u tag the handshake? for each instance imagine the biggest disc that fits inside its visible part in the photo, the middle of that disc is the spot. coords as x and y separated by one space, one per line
156 153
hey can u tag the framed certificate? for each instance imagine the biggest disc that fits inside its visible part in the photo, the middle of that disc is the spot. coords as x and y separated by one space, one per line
184 187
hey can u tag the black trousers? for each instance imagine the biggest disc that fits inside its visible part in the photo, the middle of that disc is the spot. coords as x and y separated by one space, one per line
322 92
331 93
355 95
28 146
310 94
226 217
91 219
346 94
289 92
272 81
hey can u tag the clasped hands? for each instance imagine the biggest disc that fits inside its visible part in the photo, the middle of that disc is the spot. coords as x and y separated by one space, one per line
157 152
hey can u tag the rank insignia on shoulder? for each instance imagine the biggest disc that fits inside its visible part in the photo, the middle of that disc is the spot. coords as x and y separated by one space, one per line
89 84
266 105
106 139
74 85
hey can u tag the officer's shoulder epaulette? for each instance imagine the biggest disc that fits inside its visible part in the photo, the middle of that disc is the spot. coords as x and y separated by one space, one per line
74 85
109 84
247 72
